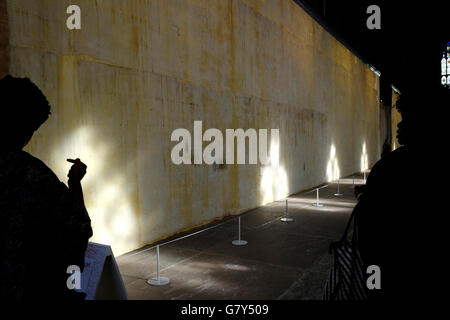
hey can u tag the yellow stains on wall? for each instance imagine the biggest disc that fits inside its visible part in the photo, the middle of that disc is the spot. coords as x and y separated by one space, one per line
396 118
4 40
139 69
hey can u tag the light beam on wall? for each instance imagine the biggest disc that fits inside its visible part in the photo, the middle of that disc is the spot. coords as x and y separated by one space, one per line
106 192
333 171
274 182
364 158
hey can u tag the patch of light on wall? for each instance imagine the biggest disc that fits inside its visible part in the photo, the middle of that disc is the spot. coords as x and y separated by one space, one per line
106 191
274 182
364 158
333 171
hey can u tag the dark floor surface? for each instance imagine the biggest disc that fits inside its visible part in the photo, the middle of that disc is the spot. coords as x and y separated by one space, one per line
281 260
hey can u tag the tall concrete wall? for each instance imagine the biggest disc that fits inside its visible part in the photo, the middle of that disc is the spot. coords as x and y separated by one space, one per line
396 118
4 39
139 69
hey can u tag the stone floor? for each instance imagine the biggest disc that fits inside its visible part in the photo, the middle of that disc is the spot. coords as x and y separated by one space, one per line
281 260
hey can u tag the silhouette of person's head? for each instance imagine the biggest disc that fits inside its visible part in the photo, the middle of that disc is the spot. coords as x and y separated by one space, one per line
24 109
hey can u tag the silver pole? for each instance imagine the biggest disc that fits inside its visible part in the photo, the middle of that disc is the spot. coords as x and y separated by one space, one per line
317 204
157 264
158 281
239 242
286 214
239 229
338 194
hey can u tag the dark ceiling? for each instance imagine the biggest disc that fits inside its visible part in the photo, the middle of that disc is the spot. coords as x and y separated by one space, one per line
407 48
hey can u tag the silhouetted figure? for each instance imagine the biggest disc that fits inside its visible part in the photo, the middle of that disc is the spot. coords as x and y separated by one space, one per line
387 147
398 224
44 225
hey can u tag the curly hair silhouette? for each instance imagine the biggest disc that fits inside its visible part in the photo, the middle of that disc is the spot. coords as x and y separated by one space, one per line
24 108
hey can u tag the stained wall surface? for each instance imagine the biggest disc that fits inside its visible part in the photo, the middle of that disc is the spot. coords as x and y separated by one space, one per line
139 69
4 39
396 118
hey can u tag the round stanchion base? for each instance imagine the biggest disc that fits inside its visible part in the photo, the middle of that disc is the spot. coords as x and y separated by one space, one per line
287 219
317 205
239 242
162 281
338 194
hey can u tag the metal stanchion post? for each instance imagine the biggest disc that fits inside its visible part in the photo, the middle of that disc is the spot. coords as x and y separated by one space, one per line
317 204
239 242
286 217
338 193
158 281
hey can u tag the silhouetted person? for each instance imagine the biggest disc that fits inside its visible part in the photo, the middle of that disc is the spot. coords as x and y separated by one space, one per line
387 147
44 225
398 226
